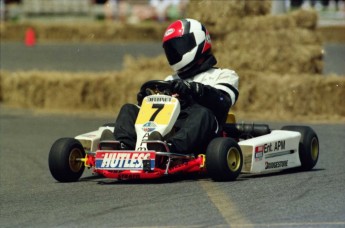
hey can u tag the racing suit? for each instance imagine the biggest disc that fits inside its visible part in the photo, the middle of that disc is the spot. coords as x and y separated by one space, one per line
200 121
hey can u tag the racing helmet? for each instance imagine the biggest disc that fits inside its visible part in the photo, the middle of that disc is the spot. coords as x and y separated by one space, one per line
186 43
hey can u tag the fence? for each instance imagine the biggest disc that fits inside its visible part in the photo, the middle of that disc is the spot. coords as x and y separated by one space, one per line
56 7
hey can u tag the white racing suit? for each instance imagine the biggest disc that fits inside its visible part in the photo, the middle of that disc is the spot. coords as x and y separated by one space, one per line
199 121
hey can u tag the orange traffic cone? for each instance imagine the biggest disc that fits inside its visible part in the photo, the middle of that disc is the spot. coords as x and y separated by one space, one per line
30 37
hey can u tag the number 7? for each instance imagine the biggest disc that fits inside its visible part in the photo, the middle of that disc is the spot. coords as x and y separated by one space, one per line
159 108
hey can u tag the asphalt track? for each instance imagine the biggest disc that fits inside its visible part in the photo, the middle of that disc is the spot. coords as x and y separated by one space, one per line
30 197
72 57
109 57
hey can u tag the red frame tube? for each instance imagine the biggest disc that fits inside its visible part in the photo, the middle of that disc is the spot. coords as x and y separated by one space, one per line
194 165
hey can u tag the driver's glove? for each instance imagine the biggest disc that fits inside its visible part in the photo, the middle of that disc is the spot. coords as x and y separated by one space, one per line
185 88
140 97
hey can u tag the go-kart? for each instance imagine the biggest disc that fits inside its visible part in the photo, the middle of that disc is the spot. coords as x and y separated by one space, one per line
240 148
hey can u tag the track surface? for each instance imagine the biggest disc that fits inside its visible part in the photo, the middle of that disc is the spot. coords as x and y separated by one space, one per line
108 57
72 57
30 197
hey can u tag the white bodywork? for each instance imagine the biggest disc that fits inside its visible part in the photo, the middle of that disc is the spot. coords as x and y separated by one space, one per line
275 151
91 139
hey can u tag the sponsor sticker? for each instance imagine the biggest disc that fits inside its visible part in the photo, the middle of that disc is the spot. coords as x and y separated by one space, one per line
159 99
274 146
274 165
149 126
259 152
124 160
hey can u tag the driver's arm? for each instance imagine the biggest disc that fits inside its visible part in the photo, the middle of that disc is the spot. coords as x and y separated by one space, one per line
217 92
214 99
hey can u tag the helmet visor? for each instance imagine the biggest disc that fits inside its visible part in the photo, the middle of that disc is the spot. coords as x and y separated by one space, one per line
177 47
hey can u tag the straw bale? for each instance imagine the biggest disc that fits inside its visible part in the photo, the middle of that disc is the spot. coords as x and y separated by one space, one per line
305 18
282 43
103 32
85 32
273 95
221 16
213 11
267 22
1 86
271 38
247 15
332 34
295 58
261 23
158 67
255 8
282 95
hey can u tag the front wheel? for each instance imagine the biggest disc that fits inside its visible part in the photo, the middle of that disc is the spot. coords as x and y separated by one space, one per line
224 159
308 146
64 160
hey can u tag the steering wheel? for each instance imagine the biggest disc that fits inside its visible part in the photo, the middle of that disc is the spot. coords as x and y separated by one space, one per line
157 86
163 87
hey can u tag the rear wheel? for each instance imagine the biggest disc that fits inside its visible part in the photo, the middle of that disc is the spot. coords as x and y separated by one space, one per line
224 159
64 160
308 146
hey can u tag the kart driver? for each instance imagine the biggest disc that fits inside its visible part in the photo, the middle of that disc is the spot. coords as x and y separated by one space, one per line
212 91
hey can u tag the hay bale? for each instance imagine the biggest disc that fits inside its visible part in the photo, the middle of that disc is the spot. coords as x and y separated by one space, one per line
223 15
305 18
103 32
296 58
157 67
211 12
256 8
278 46
267 22
247 15
332 34
273 95
83 32
284 97
282 43
219 10
270 38
1 86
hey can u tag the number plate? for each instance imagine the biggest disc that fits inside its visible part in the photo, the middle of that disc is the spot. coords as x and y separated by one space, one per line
124 160
158 109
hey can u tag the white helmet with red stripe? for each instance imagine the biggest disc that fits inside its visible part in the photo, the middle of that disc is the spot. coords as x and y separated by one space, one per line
185 43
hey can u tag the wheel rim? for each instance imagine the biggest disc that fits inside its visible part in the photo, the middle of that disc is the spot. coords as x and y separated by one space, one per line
233 159
314 148
74 163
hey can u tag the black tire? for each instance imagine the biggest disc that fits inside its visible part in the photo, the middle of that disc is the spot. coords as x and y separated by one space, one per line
308 146
224 159
62 160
